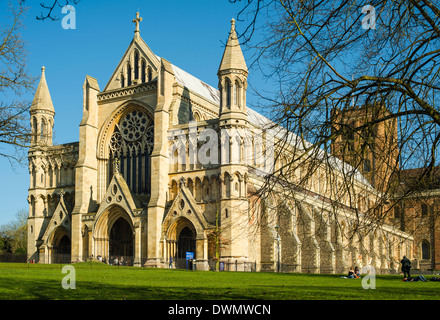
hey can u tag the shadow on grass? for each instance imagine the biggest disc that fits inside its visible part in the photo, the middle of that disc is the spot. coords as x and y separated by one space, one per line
110 283
52 290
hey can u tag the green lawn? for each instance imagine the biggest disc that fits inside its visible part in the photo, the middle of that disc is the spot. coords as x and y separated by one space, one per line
99 281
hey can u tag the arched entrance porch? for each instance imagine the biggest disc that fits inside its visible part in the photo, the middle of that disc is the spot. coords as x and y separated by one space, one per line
186 242
121 242
60 246
182 238
114 237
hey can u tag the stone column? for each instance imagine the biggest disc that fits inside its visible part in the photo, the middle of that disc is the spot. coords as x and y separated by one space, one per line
137 244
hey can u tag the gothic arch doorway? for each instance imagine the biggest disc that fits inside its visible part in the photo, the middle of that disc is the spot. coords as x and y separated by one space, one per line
186 243
181 238
121 241
114 237
61 246
64 245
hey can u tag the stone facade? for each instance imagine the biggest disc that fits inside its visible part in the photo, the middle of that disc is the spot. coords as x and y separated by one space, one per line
121 192
418 213
413 205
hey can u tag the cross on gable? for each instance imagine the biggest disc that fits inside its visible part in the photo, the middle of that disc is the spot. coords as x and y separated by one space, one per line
137 21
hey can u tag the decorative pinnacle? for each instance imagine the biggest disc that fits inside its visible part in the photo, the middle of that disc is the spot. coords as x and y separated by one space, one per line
116 166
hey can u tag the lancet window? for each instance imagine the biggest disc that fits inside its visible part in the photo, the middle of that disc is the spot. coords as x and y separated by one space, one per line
150 74
136 65
143 67
129 75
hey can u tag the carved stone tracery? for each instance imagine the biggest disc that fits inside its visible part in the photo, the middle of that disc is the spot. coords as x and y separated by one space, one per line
132 143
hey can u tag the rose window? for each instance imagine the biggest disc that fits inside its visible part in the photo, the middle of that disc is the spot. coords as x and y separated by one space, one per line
134 125
132 143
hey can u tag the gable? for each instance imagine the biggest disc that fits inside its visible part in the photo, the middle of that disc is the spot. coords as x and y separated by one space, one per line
184 205
119 194
151 61
60 218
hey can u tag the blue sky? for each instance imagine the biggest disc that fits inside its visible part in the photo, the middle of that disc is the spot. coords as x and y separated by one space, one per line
190 34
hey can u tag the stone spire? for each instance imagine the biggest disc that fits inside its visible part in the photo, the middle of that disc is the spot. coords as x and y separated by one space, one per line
42 99
42 114
233 58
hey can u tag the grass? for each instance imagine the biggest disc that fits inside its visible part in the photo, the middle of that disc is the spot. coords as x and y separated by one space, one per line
95 281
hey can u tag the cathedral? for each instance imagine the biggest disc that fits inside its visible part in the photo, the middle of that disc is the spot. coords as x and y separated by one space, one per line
167 167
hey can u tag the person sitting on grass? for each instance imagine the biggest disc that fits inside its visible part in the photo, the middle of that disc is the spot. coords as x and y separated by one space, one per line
352 274
418 278
357 273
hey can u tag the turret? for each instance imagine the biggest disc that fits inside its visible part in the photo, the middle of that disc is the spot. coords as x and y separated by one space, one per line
42 114
233 122
42 119
232 75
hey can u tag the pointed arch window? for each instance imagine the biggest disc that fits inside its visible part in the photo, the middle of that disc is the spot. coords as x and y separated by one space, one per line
136 65
122 80
228 93
424 207
227 182
34 129
132 143
426 252
51 182
34 177
397 212
150 75
143 68
33 206
367 165
43 129
237 94
129 74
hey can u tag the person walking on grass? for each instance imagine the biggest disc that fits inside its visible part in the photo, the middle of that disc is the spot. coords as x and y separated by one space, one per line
406 267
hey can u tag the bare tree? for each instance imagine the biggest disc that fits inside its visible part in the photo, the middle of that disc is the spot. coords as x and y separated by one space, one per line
50 6
356 81
14 82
